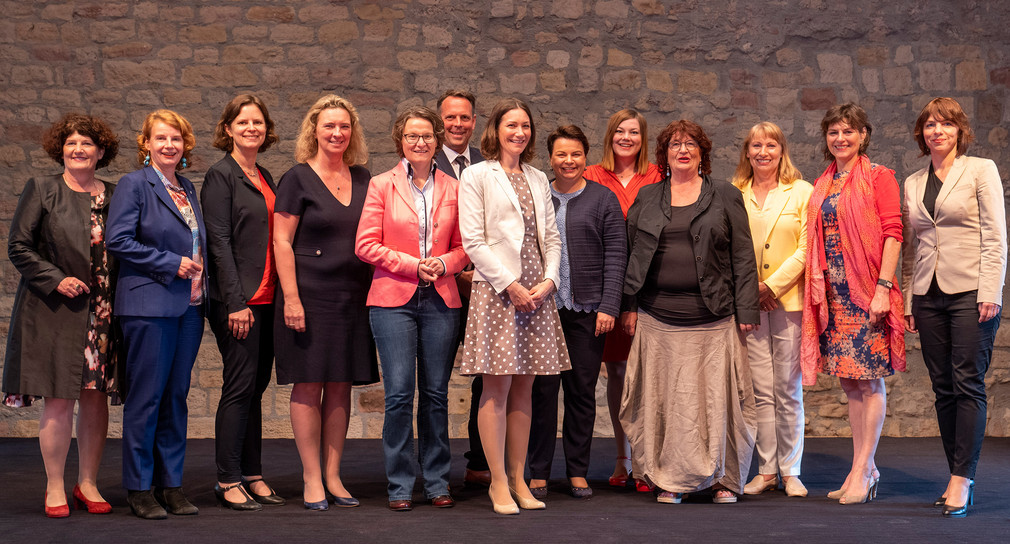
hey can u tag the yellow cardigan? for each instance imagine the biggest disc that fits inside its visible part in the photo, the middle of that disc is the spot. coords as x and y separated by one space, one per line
780 240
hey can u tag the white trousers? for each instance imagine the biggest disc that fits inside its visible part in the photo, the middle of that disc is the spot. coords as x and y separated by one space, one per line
774 354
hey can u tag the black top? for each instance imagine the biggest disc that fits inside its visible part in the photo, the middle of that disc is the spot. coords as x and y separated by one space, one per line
671 292
933 185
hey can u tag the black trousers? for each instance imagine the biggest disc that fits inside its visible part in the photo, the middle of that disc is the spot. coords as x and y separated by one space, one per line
586 352
957 350
475 458
238 426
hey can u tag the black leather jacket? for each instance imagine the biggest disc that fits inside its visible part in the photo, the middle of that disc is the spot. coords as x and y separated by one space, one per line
723 251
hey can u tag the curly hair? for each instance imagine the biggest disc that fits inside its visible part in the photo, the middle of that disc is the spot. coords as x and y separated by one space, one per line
607 162
744 174
173 120
489 145
947 109
423 113
306 144
850 114
92 127
692 130
223 141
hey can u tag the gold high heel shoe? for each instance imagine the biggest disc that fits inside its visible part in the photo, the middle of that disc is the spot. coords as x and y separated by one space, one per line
871 493
507 509
527 504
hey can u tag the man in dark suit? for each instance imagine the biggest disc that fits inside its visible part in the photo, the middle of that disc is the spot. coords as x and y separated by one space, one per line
457 110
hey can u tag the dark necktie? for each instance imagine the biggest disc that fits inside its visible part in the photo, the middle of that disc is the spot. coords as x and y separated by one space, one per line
461 165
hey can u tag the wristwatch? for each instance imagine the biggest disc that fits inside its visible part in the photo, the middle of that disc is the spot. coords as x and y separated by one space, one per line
885 283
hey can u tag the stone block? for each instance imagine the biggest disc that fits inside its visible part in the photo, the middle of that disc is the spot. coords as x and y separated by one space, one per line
771 79
934 76
458 61
206 55
220 14
689 81
11 154
591 55
12 54
567 9
997 138
817 99
271 14
903 54
835 68
744 99
149 97
68 98
559 59
228 75
112 31
292 33
182 96
99 10
1000 76
276 76
871 80
897 81
176 13
436 36
124 73
251 33
781 102
62 12
375 11
616 57
553 80
408 35
213 33
239 54
175 52
378 31
383 79
417 61
960 52
659 80
338 32
873 55
522 84
970 75
524 58
372 401
308 55
622 80
52 53
648 7
37 32
788 56
321 13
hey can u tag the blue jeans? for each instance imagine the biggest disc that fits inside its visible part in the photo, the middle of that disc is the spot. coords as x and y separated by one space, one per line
422 330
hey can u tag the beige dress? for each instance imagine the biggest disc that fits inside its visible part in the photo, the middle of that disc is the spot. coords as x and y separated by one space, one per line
688 405
499 340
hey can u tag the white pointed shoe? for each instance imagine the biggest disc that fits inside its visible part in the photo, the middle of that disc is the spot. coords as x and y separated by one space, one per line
759 485
794 487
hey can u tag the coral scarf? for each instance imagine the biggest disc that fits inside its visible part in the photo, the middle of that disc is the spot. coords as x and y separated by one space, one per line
862 236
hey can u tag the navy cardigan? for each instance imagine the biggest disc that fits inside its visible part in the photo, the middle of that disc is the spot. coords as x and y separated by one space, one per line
597 247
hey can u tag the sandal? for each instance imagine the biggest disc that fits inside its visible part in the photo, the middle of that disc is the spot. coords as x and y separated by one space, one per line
723 496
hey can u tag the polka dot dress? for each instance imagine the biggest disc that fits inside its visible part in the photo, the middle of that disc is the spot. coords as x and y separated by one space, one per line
500 340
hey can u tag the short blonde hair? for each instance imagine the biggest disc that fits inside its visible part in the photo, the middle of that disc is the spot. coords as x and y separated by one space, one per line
173 120
744 174
306 145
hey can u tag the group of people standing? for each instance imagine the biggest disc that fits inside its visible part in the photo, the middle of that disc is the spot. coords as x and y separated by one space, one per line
710 303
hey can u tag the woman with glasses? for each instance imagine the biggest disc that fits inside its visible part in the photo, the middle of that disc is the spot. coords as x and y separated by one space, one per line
690 289
409 232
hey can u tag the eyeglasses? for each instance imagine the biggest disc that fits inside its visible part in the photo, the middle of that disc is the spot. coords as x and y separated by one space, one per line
691 145
413 138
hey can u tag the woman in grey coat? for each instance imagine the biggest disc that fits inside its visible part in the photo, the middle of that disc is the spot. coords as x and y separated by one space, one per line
60 345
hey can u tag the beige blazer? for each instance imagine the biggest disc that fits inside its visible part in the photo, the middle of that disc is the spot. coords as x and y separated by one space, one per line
780 240
491 224
965 245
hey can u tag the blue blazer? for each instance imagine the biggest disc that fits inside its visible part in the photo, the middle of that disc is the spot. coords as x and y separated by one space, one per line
148 235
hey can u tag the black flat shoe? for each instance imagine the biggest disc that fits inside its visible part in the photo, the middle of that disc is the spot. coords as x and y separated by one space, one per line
173 499
272 499
144 506
247 504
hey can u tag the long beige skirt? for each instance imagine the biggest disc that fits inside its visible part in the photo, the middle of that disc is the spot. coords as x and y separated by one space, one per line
688 405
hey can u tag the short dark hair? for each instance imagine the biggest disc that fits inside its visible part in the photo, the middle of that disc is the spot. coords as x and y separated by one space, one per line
489 146
688 128
948 109
854 116
56 136
569 132
458 93
417 112
231 110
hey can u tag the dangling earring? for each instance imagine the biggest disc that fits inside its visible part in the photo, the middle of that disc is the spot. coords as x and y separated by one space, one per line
147 160
184 164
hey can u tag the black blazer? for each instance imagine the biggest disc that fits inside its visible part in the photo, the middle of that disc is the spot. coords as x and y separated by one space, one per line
238 232
597 247
720 233
442 161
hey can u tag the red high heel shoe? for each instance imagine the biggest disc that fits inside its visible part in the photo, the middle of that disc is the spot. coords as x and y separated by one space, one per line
61 511
93 507
642 486
619 481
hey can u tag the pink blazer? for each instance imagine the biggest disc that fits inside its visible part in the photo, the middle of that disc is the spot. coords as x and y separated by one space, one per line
387 238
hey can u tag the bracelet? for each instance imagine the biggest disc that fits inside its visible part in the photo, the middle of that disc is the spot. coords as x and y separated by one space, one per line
885 283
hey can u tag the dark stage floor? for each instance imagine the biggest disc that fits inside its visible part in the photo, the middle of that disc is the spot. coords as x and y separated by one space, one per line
913 473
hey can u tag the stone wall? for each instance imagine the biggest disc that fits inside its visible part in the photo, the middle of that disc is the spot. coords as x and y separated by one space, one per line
723 63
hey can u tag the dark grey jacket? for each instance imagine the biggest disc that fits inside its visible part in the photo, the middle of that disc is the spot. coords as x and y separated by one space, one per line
723 251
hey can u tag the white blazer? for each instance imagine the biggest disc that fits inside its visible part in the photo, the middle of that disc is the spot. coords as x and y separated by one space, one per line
491 224
965 245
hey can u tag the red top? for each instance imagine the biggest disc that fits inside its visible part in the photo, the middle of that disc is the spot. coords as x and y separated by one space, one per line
625 195
265 293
